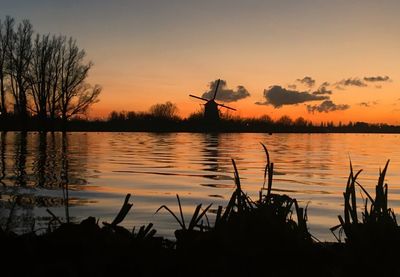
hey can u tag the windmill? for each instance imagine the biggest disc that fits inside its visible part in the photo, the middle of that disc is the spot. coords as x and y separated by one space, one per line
211 111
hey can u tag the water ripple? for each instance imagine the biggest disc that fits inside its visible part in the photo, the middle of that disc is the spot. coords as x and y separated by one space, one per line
100 168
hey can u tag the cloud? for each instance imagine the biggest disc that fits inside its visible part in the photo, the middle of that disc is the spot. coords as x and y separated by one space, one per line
368 104
308 81
225 94
377 79
351 82
322 89
361 82
278 97
327 106
293 86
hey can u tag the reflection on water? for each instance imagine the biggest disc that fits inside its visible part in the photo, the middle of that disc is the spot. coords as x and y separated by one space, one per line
34 170
212 161
20 159
80 174
2 157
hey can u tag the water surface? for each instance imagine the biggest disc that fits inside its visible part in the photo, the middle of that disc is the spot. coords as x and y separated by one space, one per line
99 169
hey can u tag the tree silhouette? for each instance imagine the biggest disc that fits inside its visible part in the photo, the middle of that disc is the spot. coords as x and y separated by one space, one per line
55 74
39 75
167 110
20 58
284 121
75 95
45 76
6 29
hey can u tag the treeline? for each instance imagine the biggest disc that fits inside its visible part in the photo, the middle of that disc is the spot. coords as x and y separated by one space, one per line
42 77
164 118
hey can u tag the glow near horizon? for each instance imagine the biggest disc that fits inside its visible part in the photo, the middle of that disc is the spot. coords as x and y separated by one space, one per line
148 52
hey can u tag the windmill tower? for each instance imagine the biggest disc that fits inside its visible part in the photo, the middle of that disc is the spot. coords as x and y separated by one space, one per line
211 111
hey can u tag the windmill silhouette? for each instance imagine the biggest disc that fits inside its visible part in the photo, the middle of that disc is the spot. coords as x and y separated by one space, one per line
211 111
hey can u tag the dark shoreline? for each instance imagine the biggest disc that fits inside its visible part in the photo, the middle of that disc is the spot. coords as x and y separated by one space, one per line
151 123
184 129
194 131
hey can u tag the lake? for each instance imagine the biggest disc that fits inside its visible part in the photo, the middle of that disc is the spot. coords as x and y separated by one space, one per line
99 169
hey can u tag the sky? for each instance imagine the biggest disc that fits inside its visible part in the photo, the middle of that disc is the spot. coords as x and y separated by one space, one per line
324 60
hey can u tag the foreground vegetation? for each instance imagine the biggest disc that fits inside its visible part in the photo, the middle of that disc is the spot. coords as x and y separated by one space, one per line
267 236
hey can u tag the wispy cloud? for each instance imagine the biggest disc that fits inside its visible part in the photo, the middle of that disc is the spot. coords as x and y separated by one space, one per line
322 89
364 104
362 82
224 94
278 96
327 106
308 81
377 79
368 104
351 82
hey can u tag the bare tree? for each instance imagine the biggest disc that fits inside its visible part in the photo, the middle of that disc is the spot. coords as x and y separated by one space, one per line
39 75
284 120
46 75
55 75
20 57
167 110
300 122
6 31
80 100
75 95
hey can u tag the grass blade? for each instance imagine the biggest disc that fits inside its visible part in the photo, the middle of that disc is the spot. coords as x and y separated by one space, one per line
366 192
173 214
123 211
181 213
270 175
203 213
267 166
193 221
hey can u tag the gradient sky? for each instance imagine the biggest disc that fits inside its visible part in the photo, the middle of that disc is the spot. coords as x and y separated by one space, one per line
148 52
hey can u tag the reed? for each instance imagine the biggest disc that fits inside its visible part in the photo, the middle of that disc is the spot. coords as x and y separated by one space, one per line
378 221
271 213
187 236
271 222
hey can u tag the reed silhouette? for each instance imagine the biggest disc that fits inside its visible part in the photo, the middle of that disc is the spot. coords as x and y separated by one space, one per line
374 239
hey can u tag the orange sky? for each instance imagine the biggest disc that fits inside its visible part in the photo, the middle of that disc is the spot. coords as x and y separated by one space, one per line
148 52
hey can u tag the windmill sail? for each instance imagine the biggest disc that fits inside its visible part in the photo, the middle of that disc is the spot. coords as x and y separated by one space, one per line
222 105
216 89
201 98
